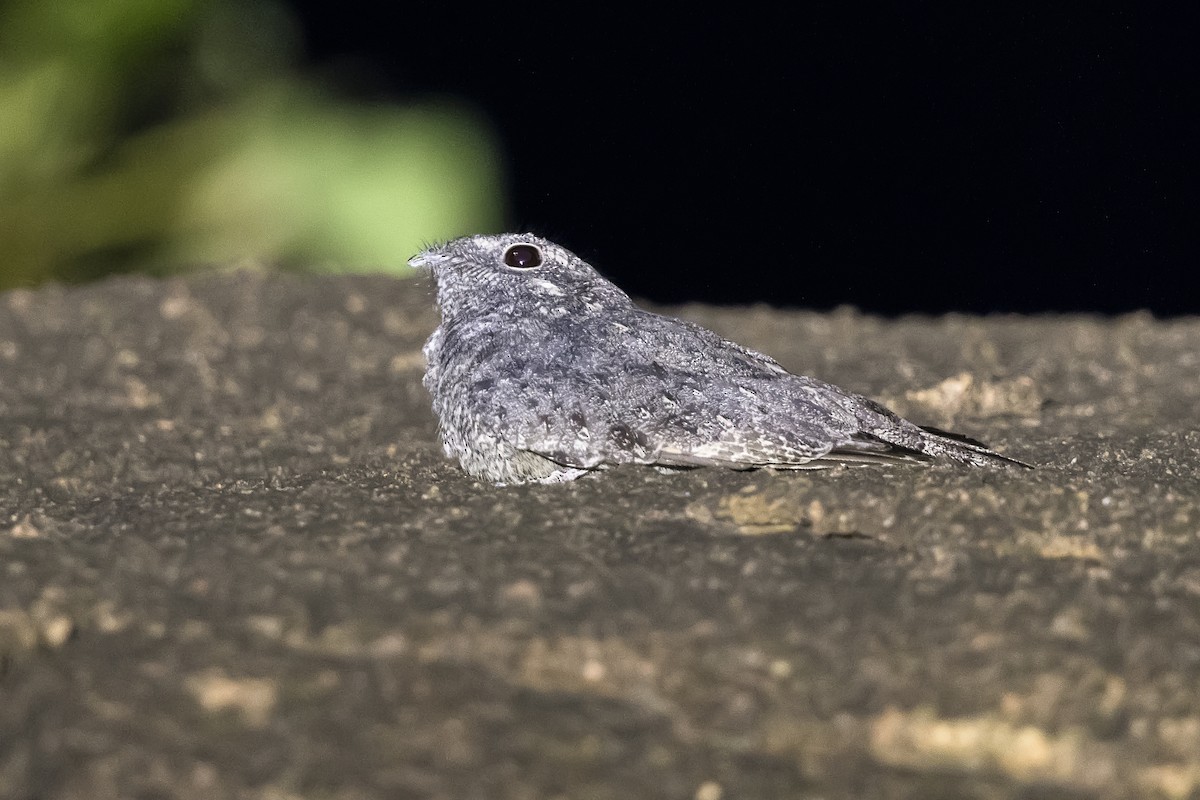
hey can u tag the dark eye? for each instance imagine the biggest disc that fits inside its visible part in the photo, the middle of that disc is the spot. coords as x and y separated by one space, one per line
523 256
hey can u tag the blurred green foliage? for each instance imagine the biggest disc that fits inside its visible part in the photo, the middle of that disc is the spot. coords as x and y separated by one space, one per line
163 135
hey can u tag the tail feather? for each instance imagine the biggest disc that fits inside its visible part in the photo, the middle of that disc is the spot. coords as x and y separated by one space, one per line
964 448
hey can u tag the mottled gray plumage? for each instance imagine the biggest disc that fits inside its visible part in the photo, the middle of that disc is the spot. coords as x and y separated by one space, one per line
542 370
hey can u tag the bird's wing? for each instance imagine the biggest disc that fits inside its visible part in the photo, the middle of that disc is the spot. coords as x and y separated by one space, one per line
663 415
757 452
678 444
689 347
699 400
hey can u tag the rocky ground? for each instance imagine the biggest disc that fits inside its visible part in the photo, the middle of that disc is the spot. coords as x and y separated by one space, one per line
235 564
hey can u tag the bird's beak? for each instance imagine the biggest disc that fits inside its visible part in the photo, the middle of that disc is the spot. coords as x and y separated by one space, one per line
427 260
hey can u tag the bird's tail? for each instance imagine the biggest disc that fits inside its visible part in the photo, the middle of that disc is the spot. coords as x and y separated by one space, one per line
961 448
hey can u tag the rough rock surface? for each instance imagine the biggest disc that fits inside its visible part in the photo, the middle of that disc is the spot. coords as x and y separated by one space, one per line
234 563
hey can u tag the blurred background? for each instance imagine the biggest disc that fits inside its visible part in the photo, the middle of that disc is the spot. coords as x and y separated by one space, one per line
910 158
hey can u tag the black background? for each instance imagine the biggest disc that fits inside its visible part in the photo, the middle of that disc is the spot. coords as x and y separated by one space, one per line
922 158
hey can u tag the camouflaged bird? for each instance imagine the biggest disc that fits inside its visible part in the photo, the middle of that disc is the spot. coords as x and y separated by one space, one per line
543 371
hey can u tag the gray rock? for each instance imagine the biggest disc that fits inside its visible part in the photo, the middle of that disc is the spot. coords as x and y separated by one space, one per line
234 563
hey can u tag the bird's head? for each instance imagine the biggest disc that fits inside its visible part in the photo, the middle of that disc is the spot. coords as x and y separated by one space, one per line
516 273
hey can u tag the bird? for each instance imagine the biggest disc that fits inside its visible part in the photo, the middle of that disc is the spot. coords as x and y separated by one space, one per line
542 370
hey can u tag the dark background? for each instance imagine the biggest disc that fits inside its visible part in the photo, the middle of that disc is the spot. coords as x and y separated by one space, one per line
925 158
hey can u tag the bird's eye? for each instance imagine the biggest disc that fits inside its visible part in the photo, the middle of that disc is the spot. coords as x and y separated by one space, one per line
523 256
